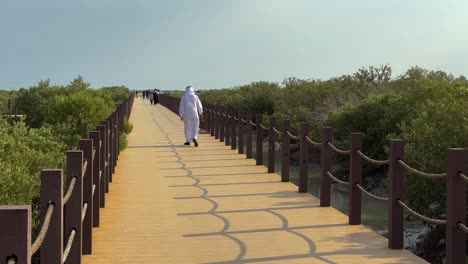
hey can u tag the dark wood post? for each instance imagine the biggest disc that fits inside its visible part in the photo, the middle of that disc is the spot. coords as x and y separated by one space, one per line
96 137
116 142
233 130
221 125
15 233
107 155
86 145
456 205
217 123
249 135
271 145
285 151
304 165
207 119
111 147
74 205
325 165
212 118
227 127
102 165
355 177
52 193
241 132
259 146
395 211
117 134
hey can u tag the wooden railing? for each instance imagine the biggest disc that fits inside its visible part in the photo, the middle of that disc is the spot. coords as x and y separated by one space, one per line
67 221
228 125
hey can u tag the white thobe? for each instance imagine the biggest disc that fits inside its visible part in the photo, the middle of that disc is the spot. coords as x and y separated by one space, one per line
190 108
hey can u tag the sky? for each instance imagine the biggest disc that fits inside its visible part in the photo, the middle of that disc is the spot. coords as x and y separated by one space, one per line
211 44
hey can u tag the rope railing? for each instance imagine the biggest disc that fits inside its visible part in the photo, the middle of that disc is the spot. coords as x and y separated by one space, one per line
94 152
277 131
291 135
313 143
422 217
83 211
85 167
337 150
45 227
229 116
252 123
370 160
463 176
262 126
463 227
69 245
100 174
100 144
236 119
370 194
94 188
422 174
333 178
243 120
11 261
69 191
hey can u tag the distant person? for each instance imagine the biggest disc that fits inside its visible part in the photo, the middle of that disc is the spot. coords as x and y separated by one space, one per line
151 97
189 111
156 97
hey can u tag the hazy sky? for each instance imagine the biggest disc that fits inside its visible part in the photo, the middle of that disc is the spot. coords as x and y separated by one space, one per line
223 43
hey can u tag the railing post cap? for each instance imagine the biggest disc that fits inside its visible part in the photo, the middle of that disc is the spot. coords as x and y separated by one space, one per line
15 207
74 151
456 149
52 170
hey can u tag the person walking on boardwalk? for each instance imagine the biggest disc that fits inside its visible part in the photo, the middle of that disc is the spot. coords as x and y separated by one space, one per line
190 109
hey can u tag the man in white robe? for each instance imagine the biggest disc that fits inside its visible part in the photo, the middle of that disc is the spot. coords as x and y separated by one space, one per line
189 111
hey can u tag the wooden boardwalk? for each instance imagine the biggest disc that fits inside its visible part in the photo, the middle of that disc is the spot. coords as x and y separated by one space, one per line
171 203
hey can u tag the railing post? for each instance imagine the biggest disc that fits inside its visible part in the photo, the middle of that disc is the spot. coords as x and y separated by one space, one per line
221 125
233 130
227 128
207 118
102 166
217 123
355 177
86 145
304 165
259 146
107 154
111 147
15 233
455 246
117 134
52 193
271 145
241 132
285 151
74 205
396 186
325 165
249 135
212 118
96 137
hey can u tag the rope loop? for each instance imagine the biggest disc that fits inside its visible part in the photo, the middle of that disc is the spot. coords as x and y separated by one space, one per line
422 217
337 150
45 227
422 174
333 178
370 160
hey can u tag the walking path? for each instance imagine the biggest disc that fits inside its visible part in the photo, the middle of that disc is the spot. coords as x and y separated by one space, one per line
171 203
